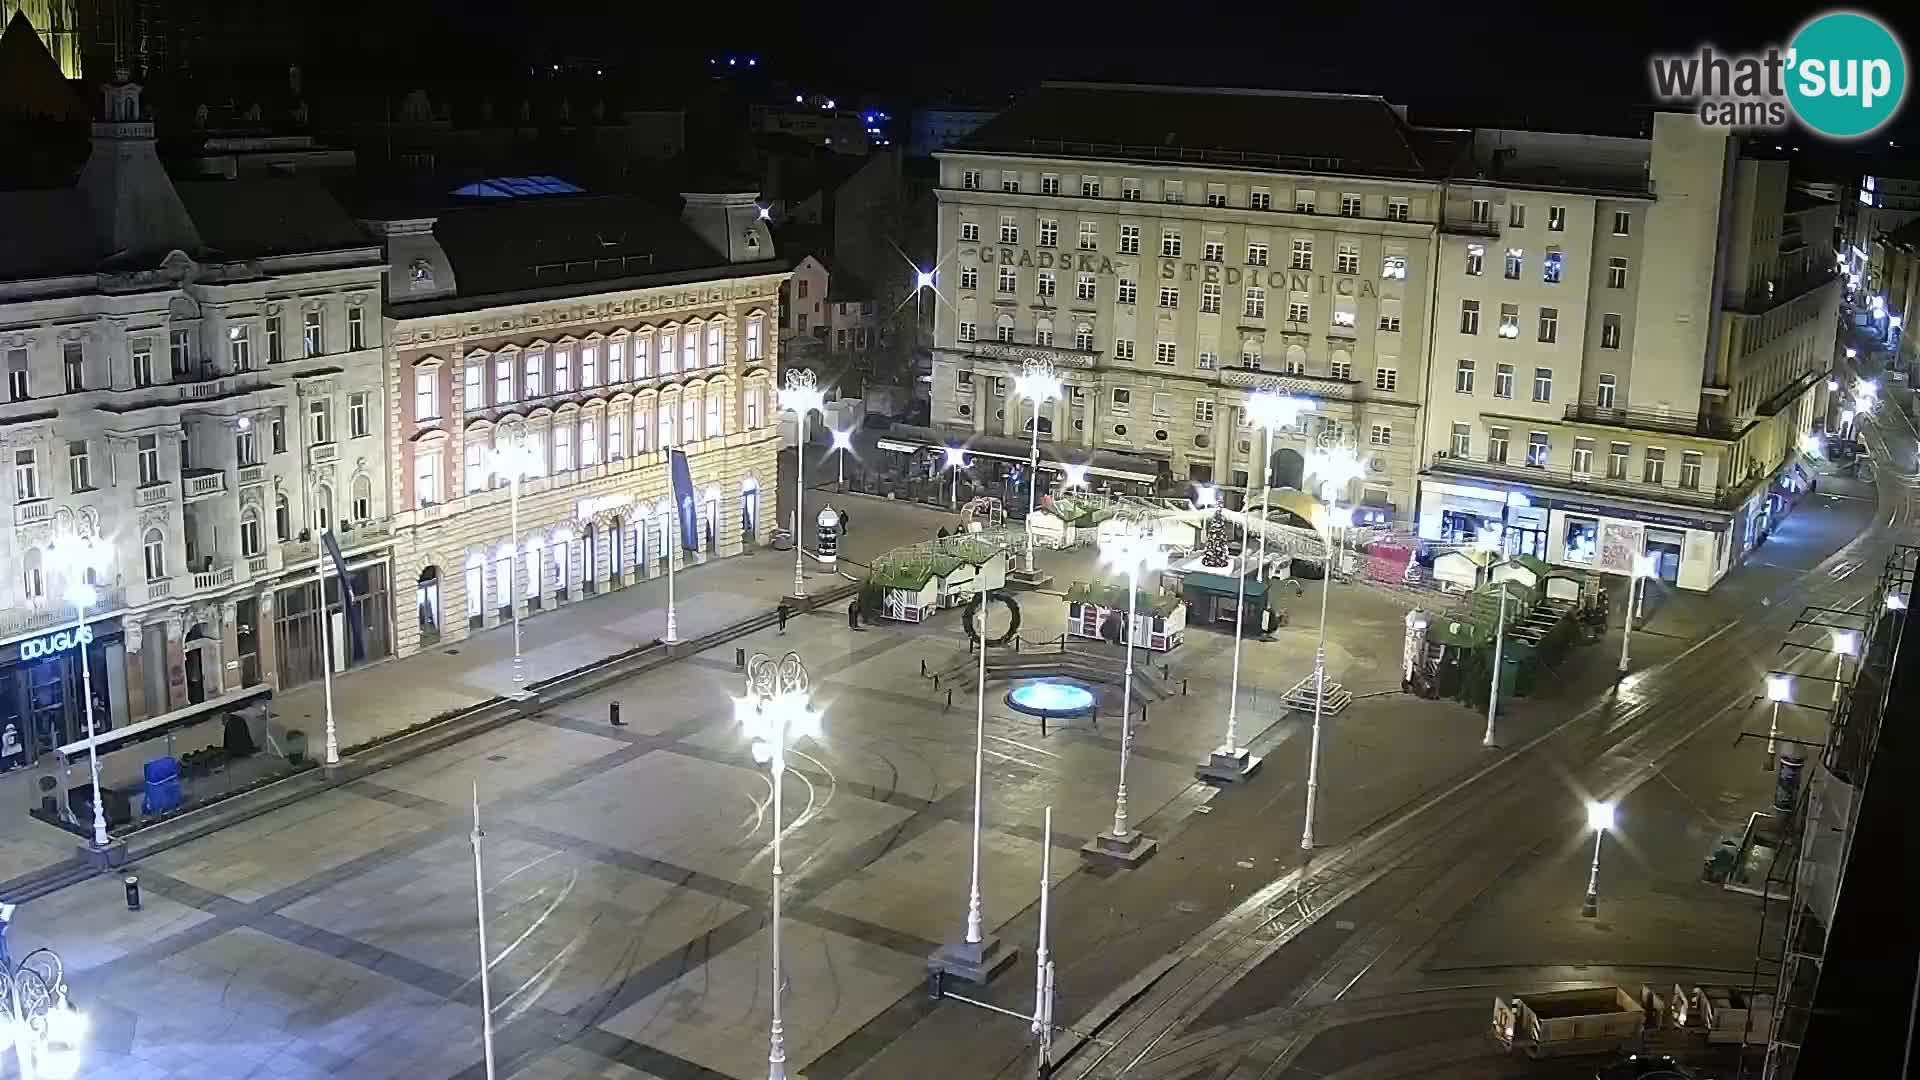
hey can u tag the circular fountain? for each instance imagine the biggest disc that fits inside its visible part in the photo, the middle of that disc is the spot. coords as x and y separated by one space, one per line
1051 698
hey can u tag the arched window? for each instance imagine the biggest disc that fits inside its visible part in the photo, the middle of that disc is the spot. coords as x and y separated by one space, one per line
322 508
33 579
251 542
1003 327
1043 331
282 518
690 417
154 549
362 498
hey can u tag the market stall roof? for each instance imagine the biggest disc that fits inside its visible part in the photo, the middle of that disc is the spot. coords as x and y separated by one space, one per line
907 438
912 567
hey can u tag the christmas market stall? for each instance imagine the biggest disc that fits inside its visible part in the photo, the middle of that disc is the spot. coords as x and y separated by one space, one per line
1099 612
915 582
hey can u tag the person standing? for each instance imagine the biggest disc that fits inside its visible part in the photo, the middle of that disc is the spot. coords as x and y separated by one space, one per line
781 613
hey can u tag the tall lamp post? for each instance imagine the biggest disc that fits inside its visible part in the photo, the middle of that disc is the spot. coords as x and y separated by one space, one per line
514 461
1335 466
1037 383
78 559
842 442
802 397
1845 643
1643 568
1489 740
1132 548
774 712
956 459
1231 761
1779 689
1600 819
975 957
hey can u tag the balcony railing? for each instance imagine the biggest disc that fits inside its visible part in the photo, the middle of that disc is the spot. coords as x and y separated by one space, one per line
1705 425
153 494
258 565
1469 227
1553 476
218 577
201 483
159 589
1302 385
321 453
252 474
26 619
32 513
352 538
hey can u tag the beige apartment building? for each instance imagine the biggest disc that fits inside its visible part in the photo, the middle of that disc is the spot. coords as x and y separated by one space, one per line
1170 253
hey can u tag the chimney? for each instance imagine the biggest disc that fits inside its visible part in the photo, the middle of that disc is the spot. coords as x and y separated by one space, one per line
732 223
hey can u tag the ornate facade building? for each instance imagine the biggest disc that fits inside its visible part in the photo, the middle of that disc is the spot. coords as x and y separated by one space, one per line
582 336
193 378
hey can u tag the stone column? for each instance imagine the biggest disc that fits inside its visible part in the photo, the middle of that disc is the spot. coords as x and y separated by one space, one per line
263 637
133 636
489 588
579 562
1088 419
1222 434
176 653
223 679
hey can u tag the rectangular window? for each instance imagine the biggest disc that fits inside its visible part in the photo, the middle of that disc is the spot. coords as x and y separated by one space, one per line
969 231
1203 411
179 351
1516 263
147 457
1349 205
1503 380
1341 369
669 353
276 351
1469 316
666 427
969 277
970 180
1462 440
689 352
1089 187
969 331
1603 395
1165 354
476 467
1214 251
278 429
1609 331
1303 202
1169 244
1690 469
356 328
1583 457
1622 222
1169 297
1044 285
1004 330
1345 316
562 448
1042 334
1089 236
26 476
1463 377
80 465
1346 259
1009 280
1393 267
1538 449
1497 445
246 447
474 394
320 421
536 374
714 428
1390 323
1123 348
1122 400
426 395
359 415
1517 215
1381 435
1386 379
142 352
1616 273
1049 232
1210 298
1256 254
1482 211
1250 358
1173 191
312 337
503 380
756 337
642 350
1129 239
1556 219
426 476
1655 467
1049 184
1128 291
1509 321
1542 384
1009 181
590 441
1216 196
1083 338
1260 199
1476 259
1163 405
1398 209
73 362
1617 460
1299 311
1085 288
1549 324
617 358
1208 360
17 385
1302 254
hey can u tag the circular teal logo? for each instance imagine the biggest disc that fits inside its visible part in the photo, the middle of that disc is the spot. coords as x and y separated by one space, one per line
1846 74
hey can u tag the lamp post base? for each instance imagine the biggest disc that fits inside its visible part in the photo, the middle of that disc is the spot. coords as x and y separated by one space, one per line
1130 848
1590 907
1226 765
102 858
974 962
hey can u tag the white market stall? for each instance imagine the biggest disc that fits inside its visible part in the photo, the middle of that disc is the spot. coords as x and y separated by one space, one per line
1099 613
917 581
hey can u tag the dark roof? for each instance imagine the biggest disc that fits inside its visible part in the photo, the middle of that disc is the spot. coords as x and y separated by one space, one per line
48 233
1800 201
276 215
1906 236
1306 132
845 285
514 244
30 80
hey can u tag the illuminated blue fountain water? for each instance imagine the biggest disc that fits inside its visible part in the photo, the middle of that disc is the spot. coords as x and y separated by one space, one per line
1050 698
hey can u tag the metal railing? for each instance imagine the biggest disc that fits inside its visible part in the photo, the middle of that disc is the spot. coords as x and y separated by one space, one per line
1704 425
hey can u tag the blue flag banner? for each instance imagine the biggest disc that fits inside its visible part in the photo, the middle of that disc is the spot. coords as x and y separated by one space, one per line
683 501
356 626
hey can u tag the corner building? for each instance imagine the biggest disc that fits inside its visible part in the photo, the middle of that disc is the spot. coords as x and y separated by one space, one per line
597 332
1172 250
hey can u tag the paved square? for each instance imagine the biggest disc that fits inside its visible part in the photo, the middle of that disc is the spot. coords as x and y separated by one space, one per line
505 761
921 887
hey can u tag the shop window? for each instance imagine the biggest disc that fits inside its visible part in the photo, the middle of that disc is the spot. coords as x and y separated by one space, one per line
1582 540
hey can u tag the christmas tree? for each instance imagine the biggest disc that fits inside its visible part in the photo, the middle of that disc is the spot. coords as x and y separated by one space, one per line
1213 548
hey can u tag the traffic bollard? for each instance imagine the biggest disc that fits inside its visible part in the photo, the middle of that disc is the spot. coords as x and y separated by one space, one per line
613 714
133 893
740 658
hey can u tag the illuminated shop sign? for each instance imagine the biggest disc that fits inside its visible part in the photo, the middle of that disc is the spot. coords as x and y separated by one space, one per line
35 648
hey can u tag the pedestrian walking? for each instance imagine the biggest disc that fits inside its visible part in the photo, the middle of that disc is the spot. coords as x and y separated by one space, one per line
853 614
843 522
781 613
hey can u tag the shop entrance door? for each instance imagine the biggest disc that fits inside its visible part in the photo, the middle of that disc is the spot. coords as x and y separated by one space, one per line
196 677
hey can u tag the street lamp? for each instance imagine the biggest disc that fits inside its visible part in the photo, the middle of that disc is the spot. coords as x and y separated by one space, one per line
975 958
1599 819
1643 568
1499 643
1131 547
774 712
1779 689
1846 422
1206 495
1038 384
1076 477
1810 444
1335 467
1832 385
1845 643
803 397
514 461
956 459
842 442
78 559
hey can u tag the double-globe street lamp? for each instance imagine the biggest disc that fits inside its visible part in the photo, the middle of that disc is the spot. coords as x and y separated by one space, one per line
1132 546
78 560
802 397
1335 466
774 712
975 957
1267 410
1600 819
842 443
1038 384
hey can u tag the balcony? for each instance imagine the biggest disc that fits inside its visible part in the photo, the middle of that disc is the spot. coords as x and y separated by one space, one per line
197 484
352 538
322 453
1469 227
1314 386
153 494
27 619
159 590
252 474
32 513
258 565
1704 426
1552 476
215 578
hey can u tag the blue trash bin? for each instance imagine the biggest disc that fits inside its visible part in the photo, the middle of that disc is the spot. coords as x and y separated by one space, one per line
163 794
